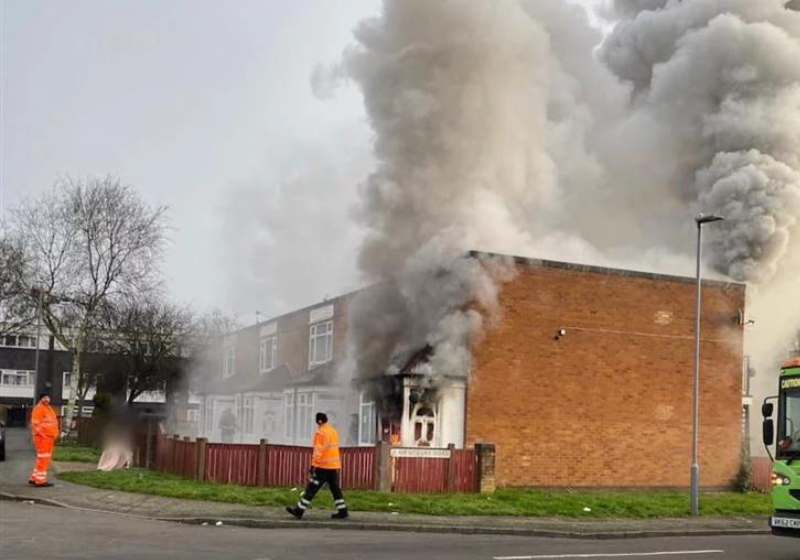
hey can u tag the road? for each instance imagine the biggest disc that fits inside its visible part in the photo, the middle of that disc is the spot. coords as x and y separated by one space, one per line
32 532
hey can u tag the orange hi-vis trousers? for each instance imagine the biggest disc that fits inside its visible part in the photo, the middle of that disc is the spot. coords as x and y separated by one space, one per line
44 454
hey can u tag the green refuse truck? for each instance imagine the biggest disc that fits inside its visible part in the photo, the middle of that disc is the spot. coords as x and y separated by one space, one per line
785 520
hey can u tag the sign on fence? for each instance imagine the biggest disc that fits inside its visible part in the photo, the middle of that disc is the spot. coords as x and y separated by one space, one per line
420 452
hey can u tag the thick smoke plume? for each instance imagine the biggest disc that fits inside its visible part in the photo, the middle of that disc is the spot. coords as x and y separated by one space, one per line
500 126
717 89
459 97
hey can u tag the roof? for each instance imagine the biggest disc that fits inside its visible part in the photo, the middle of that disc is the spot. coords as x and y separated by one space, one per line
269 381
419 363
540 263
324 374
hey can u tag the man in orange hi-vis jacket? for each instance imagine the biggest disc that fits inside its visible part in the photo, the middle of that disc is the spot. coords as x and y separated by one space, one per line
325 466
44 425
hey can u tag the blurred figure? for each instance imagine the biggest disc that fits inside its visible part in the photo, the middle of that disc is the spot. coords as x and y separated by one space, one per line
117 448
227 426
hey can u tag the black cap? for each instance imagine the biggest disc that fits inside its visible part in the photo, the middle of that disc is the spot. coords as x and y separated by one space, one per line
42 395
322 418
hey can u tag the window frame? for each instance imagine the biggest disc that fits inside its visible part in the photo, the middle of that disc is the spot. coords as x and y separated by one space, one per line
267 341
30 377
248 415
228 362
370 406
314 335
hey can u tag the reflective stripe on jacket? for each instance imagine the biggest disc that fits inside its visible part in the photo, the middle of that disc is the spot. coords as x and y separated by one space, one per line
326 448
44 421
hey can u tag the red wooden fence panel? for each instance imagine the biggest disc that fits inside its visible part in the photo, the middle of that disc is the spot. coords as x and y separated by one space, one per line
164 454
425 475
358 468
419 475
465 471
232 463
762 474
287 465
185 458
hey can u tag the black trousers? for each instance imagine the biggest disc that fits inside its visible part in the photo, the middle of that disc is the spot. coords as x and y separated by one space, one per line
321 477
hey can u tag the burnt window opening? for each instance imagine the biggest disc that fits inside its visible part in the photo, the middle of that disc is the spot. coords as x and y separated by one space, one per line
424 421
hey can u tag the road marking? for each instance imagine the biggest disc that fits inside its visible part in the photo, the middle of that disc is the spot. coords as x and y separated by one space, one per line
609 555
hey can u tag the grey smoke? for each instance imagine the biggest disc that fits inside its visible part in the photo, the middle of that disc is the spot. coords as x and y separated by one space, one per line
717 86
498 128
290 241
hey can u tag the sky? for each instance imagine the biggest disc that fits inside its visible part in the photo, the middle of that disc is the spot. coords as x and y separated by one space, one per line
205 107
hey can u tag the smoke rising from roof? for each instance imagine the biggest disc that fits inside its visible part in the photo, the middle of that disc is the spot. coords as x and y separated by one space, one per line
498 128
717 82
470 110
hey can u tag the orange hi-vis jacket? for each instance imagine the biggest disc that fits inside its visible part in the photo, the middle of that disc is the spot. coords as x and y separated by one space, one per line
326 448
44 422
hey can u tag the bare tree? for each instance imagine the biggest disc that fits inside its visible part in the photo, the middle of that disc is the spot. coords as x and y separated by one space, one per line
204 346
147 338
88 242
15 311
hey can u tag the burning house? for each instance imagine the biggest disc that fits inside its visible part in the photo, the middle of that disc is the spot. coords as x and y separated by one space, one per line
579 375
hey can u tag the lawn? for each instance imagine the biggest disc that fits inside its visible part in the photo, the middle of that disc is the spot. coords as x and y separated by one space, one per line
584 504
74 453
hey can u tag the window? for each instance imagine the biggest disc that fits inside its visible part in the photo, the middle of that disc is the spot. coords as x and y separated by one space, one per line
424 426
209 416
193 416
367 425
320 344
269 423
267 353
789 421
249 413
17 378
18 341
229 362
288 416
305 410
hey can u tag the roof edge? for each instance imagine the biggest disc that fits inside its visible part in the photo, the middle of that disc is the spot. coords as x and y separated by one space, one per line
542 263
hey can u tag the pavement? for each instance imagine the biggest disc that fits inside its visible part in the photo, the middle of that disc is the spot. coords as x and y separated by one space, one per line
15 470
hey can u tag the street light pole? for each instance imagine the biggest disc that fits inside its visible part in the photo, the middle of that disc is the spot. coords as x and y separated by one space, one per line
694 473
38 338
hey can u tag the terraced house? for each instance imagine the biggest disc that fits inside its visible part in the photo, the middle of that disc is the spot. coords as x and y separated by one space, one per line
586 380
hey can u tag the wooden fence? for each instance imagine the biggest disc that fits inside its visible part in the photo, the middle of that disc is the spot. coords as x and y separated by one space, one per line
453 472
287 465
762 474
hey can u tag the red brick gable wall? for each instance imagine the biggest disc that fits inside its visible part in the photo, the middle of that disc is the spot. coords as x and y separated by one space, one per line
608 404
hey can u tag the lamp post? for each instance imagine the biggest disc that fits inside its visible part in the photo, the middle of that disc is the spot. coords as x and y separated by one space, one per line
39 297
694 472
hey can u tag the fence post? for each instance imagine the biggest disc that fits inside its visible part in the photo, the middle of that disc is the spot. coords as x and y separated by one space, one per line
200 460
262 462
383 467
485 470
450 483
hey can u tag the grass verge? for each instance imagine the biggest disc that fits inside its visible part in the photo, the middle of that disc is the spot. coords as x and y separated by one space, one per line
531 503
76 454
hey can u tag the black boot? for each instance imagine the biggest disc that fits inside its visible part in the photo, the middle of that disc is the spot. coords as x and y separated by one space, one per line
341 514
295 511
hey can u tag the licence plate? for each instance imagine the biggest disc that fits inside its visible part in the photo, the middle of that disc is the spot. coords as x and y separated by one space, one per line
786 522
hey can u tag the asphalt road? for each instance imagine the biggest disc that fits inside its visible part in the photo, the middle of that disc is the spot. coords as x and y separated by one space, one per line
33 532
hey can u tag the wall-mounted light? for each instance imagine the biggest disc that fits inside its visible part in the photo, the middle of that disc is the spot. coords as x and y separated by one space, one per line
560 332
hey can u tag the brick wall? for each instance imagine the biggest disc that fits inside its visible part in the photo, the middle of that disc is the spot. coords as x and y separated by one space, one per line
610 403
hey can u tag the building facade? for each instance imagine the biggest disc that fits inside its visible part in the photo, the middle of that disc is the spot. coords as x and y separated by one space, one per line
585 379
20 383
